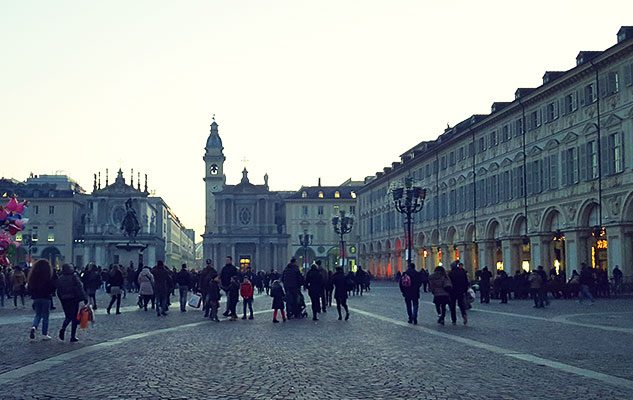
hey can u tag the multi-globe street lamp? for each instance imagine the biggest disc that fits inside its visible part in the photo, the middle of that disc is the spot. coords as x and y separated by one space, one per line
408 200
342 226
305 241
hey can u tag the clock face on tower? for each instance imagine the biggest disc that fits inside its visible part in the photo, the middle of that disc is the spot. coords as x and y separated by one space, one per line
214 169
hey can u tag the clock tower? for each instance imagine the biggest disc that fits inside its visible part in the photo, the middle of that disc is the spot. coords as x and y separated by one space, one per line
214 180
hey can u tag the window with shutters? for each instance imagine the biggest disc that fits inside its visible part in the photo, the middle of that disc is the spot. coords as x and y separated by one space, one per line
471 149
505 133
443 162
592 159
553 171
460 153
551 112
609 84
451 158
481 145
534 120
428 169
589 94
518 187
570 103
534 180
569 166
452 202
493 139
628 75
518 127
435 167
615 144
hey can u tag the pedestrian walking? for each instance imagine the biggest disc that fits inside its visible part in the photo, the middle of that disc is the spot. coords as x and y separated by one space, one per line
232 295
183 280
247 291
41 286
440 286
460 284
503 282
586 281
146 287
162 288
91 280
292 280
424 278
338 282
314 284
213 299
536 282
278 295
206 275
18 284
70 292
484 285
410 283
114 287
226 274
324 280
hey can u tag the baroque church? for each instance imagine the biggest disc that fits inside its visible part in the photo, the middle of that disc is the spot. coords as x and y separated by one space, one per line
245 221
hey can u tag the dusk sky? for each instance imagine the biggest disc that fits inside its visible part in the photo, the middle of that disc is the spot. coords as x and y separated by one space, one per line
300 89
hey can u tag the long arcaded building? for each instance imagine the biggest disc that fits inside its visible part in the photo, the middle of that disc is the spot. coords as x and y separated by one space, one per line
545 179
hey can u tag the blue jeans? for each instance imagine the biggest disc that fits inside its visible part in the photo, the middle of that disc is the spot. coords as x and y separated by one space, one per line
183 291
42 309
161 302
585 293
412 308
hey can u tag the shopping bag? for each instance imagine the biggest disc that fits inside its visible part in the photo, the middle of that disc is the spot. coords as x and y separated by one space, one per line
470 295
195 300
84 316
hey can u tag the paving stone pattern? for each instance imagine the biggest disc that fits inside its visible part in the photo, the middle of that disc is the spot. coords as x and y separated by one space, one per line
364 358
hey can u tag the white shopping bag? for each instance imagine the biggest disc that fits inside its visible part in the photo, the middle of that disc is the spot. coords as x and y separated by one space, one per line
194 301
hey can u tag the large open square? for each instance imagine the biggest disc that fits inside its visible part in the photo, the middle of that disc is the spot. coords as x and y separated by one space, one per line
507 351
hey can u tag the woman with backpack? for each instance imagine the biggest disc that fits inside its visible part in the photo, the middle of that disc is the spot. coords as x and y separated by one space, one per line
440 285
70 292
410 284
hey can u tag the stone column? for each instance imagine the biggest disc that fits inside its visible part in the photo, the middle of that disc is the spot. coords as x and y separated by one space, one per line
486 249
539 245
619 249
511 249
574 252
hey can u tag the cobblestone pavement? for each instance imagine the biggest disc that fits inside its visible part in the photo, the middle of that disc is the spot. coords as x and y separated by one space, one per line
513 351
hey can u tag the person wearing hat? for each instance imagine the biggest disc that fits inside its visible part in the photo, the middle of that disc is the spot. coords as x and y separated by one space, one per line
183 280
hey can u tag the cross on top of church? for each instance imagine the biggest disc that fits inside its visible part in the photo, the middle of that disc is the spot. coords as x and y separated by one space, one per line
244 161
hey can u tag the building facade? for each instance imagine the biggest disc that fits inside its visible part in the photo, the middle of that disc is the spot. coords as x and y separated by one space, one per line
245 221
309 211
545 179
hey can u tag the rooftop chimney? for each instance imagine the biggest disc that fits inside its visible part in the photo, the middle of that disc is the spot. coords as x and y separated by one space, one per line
625 33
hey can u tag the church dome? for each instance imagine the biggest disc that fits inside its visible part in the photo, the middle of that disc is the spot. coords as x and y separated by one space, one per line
214 141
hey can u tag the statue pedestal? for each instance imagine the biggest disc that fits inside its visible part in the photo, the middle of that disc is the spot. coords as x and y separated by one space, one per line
132 252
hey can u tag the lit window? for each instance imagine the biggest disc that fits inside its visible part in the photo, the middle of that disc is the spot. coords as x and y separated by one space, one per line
51 237
337 194
304 194
353 194
320 194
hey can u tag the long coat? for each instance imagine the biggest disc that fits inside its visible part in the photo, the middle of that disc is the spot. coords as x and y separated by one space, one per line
146 282
278 294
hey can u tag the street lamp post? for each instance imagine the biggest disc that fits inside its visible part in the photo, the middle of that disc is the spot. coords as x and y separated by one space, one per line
342 226
305 241
408 200
29 241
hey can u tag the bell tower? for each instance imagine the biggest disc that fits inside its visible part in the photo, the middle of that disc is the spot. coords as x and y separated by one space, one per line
214 178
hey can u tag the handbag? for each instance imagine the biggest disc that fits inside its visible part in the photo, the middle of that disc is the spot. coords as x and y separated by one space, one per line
194 301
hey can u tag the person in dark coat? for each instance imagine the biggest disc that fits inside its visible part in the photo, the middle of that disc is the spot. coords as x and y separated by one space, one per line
233 296
214 296
292 280
115 283
228 271
162 287
70 292
460 284
410 283
484 285
91 281
183 280
41 287
314 284
338 282
324 277
502 281
424 278
278 295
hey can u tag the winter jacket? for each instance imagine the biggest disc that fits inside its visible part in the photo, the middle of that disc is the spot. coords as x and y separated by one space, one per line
146 282
277 293
214 293
459 280
536 280
233 292
413 291
91 281
69 286
246 290
438 283
228 272
207 274
42 290
183 278
115 278
314 281
338 281
291 277
18 280
162 280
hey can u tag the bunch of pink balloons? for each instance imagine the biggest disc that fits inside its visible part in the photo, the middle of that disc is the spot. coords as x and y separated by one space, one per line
11 222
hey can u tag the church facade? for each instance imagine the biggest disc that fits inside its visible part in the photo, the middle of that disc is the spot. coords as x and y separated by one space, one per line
245 221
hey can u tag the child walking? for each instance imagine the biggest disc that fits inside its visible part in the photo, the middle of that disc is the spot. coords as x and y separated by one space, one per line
278 295
246 290
233 296
213 297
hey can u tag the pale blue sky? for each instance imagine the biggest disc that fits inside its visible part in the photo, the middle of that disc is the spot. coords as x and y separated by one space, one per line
302 89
